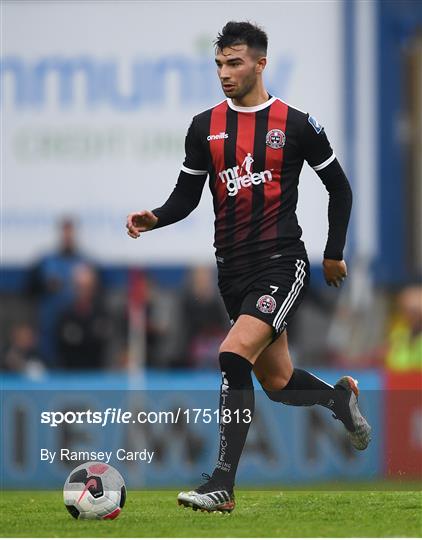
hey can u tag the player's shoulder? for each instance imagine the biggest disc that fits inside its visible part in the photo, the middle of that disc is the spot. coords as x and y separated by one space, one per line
204 116
304 119
295 113
200 123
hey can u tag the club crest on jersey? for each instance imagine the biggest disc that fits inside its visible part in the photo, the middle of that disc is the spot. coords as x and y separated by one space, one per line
266 303
315 124
275 139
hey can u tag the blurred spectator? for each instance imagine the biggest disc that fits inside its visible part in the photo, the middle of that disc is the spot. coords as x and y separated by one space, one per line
50 283
83 328
146 324
204 320
21 355
405 337
157 323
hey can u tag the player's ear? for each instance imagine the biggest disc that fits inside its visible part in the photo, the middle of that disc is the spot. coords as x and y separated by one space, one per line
260 65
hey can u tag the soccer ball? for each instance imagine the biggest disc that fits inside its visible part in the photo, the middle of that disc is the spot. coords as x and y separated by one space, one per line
94 490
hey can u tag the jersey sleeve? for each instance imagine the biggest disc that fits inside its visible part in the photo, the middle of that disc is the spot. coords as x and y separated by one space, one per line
183 200
196 160
316 148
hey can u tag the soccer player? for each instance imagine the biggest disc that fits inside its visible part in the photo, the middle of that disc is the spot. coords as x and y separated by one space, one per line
252 147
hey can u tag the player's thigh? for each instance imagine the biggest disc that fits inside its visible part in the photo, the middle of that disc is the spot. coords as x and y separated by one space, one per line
276 293
248 337
273 368
262 303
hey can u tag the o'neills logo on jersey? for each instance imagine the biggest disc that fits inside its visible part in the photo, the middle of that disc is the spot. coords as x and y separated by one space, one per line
217 137
237 177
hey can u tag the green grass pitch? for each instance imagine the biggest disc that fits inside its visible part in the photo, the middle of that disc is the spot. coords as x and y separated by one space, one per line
258 514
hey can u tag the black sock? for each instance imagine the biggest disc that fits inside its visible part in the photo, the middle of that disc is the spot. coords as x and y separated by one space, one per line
237 399
304 389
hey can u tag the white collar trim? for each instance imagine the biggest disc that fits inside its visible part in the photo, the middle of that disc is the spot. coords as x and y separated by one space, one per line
256 108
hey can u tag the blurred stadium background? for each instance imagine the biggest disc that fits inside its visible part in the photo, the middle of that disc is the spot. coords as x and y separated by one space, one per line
96 100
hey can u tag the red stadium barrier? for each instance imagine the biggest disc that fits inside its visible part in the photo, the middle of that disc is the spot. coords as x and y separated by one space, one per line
403 418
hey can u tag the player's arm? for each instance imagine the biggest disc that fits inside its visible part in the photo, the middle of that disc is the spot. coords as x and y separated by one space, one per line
185 196
322 159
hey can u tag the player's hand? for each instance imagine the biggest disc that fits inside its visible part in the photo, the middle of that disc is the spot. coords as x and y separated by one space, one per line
335 272
139 222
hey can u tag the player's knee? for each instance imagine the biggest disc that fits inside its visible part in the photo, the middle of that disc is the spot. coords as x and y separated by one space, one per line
240 345
273 383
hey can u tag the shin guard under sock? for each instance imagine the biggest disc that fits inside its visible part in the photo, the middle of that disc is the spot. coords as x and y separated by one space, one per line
236 407
304 389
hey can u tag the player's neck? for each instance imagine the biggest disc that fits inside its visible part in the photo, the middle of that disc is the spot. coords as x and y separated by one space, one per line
255 97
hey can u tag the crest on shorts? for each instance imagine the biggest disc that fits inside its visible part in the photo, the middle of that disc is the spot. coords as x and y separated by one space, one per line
275 139
266 304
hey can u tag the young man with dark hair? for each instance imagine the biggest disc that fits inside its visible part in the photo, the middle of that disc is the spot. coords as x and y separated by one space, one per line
252 146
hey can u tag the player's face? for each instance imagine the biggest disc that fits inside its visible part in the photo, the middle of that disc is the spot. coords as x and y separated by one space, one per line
238 70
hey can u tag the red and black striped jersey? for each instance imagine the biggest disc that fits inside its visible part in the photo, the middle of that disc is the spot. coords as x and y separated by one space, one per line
253 157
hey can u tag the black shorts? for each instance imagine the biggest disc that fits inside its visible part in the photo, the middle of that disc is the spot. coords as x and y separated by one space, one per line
271 293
